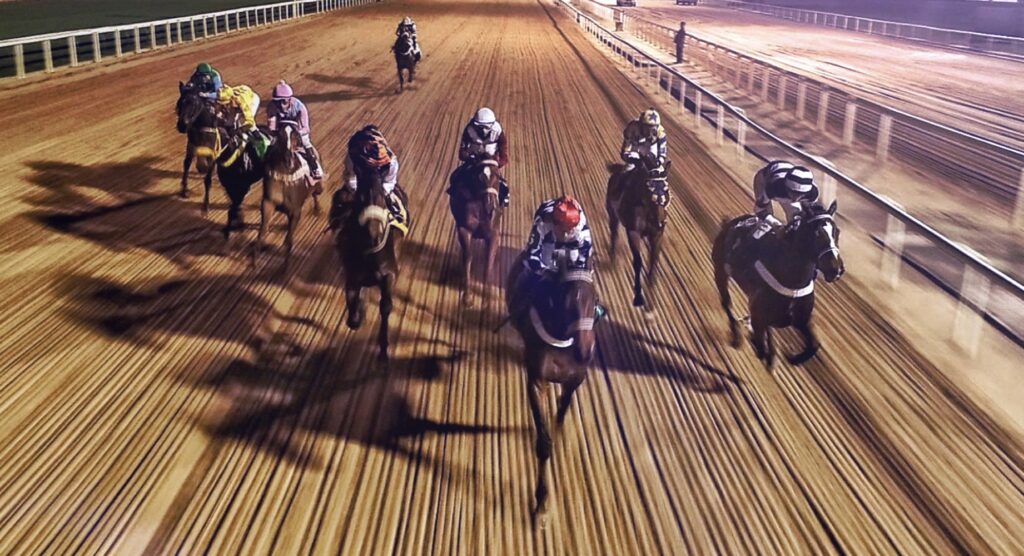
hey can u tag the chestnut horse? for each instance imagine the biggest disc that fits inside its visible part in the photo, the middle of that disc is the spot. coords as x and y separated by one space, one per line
474 205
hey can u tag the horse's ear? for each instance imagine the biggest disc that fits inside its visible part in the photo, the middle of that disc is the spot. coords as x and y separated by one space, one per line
668 164
832 208
181 87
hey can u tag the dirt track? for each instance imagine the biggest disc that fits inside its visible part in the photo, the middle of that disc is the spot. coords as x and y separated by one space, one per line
965 91
161 396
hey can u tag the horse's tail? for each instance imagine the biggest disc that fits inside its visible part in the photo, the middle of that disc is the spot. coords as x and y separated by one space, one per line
615 167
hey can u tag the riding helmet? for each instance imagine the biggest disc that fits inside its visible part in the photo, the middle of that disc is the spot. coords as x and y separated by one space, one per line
566 214
484 117
799 181
282 91
204 68
650 117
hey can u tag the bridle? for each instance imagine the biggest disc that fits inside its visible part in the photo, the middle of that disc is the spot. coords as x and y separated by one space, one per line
832 249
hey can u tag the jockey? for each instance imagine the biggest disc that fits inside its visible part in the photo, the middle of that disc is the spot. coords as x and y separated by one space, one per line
407 25
247 102
559 225
286 107
368 149
791 186
644 139
483 138
206 80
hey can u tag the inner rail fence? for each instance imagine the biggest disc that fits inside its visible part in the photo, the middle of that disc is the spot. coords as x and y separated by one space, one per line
991 168
985 294
1010 47
50 52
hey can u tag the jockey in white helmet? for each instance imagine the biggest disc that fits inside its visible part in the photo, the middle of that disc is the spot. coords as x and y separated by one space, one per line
407 25
644 139
791 186
483 138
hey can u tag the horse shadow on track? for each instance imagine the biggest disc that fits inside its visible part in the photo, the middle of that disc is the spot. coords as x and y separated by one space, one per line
276 406
444 264
130 216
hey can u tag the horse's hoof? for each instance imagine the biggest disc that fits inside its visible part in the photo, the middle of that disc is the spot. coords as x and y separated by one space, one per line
354 323
382 357
735 341
183 194
638 301
803 357
540 520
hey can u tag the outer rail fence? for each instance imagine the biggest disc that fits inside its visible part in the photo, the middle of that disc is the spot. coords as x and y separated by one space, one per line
992 168
981 42
985 293
50 52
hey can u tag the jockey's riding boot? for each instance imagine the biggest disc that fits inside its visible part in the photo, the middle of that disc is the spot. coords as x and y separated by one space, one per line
313 158
503 193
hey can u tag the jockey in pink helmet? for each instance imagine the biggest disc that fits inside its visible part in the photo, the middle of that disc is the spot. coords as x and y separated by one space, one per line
285 106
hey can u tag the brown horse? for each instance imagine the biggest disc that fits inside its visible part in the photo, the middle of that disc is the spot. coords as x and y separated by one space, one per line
405 59
477 213
287 183
777 274
368 241
199 120
638 200
558 333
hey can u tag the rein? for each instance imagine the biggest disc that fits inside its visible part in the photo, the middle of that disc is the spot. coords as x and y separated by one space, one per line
217 149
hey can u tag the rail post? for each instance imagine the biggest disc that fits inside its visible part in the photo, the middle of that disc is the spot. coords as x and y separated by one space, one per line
719 125
118 51
216 31
97 53
741 138
47 57
697 98
73 51
849 123
152 37
766 77
884 136
823 109
801 98
205 29
138 40
781 101
750 77
682 97
967 325
181 39
892 253
167 34
19 60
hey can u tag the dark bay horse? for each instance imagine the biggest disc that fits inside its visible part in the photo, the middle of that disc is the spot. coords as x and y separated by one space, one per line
638 200
405 59
368 241
287 183
558 333
777 274
474 205
198 119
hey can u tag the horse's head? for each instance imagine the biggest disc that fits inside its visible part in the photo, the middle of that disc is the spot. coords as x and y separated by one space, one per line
201 121
484 183
657 187
373 209
819 235
403 44
189 108
578 298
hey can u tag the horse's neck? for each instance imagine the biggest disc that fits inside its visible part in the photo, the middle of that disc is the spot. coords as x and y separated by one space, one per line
790 262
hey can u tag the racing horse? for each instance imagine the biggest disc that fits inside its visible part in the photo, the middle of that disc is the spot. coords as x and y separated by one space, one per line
287 183
405 59
477 212
777 274
638 201
558 333
198 120
368 240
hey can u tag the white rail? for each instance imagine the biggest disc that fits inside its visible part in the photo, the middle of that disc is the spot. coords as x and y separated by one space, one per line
981 42
885 129
48 52
984 291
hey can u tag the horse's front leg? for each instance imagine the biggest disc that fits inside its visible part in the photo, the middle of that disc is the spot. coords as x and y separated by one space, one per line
567 391
386 304
401 81
466 242
654 255
805 328
354 303
613 224
638 268
762 337
186 165
543 446
207 183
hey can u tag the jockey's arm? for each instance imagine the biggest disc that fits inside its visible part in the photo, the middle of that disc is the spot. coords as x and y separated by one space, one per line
662 145
586 245
465 147
348 174
391 174
272 116
303 119
534 247
502 155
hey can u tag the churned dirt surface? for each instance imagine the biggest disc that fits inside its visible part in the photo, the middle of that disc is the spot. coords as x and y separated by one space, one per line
161 396
971 92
